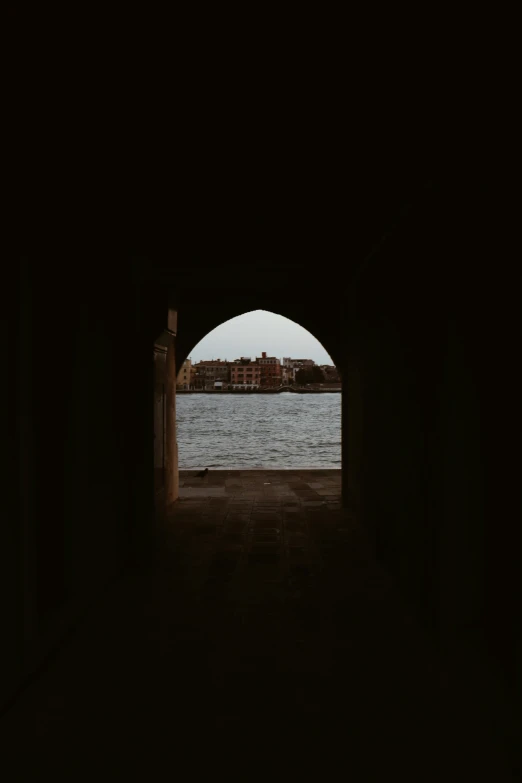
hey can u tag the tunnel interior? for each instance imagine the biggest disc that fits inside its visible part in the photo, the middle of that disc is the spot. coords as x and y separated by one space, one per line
428 343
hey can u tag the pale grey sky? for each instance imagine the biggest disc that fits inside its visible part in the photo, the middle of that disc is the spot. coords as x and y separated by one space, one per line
257 331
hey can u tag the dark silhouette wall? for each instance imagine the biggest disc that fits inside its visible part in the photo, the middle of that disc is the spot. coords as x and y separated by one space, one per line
427 338
78 451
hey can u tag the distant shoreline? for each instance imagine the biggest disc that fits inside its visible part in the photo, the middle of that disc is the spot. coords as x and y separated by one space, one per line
259 391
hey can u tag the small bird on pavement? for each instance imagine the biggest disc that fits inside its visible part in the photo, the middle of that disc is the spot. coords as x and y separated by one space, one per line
202 473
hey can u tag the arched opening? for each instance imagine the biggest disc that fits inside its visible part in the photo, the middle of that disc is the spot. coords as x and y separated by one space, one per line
261 392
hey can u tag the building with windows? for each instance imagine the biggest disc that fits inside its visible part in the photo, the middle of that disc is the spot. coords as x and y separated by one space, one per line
291 366
245 374
210 372
287 375
298 364
184 380
271 374
288 370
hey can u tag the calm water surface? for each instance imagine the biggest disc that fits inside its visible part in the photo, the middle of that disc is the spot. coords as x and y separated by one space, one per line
259 431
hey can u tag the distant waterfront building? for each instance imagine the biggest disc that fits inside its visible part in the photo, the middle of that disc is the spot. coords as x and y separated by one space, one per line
245 374
271 370
209 372
287 371
291 366
185 376
298 364
287 375
331 373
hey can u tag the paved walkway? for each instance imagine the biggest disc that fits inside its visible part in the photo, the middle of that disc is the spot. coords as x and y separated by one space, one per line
264 642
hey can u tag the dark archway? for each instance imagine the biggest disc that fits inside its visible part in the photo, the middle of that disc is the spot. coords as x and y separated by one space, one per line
430 330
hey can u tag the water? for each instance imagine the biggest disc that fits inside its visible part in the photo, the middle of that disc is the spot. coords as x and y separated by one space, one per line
259 431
